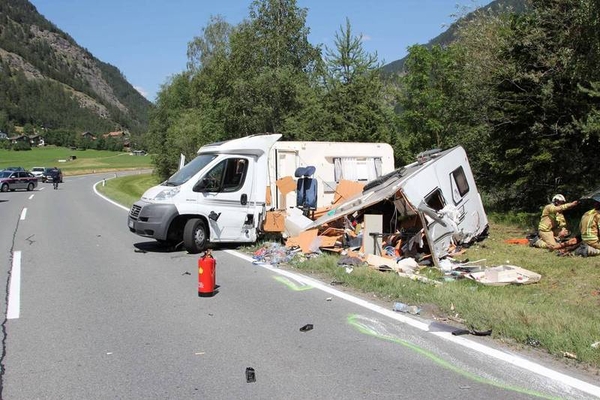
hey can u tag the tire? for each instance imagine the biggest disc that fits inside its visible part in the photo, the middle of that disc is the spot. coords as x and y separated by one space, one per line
195 236
30 187
4 187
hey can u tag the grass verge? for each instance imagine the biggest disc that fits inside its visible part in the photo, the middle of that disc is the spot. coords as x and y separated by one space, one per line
560 314
127 189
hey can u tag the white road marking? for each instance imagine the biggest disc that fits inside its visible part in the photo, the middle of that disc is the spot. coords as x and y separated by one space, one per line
483 349
106 198
23 214
31 197
42 188
14 291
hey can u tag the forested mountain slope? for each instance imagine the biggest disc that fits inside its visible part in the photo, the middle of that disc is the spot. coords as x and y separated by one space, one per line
48 80
449 34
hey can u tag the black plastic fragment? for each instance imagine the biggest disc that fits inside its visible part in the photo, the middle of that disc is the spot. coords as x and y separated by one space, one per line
306 328
250 375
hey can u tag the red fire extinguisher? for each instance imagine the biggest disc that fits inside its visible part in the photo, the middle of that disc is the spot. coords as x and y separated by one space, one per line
206 275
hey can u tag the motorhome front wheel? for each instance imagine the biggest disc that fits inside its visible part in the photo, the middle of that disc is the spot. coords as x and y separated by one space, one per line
195 236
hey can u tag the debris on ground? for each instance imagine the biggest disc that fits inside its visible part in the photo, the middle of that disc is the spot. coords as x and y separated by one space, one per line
250 375
459 332
405 308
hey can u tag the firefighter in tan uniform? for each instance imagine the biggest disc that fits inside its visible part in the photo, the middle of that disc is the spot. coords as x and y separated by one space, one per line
590 229
553 223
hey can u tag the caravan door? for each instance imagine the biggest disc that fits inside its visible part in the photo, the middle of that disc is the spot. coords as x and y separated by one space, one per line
224 192
440 226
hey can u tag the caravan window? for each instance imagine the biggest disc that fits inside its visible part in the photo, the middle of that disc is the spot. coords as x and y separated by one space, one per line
357 169
435 200
460 186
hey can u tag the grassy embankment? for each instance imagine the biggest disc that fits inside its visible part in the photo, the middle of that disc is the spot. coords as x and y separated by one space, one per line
128 189
87 161
560 314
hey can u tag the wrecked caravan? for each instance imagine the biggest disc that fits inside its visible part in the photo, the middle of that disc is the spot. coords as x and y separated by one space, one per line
222 195
435 198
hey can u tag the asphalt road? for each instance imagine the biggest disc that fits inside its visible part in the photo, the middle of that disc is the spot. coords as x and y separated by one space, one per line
88 317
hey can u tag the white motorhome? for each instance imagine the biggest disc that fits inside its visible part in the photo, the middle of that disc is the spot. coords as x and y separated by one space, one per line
437 192
221 195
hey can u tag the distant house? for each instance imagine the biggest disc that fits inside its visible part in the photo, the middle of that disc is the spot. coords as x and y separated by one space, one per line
122 135
34 140
88 135
19 138
3 136
115 135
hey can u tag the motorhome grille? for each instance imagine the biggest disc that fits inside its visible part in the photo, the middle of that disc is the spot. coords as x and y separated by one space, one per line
135 211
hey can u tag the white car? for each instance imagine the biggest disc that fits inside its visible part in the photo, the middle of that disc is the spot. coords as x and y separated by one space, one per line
37 171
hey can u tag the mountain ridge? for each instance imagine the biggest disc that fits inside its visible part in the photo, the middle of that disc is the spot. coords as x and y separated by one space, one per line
449 34
88 94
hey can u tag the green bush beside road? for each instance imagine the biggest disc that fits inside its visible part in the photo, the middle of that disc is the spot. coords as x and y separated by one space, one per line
560 314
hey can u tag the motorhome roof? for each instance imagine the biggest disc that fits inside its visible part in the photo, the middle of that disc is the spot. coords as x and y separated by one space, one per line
252 145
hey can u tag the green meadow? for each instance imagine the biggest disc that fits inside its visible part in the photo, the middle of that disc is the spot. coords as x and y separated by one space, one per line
74 162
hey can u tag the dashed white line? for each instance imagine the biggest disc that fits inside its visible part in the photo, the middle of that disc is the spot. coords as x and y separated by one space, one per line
14 292
23 214
31 197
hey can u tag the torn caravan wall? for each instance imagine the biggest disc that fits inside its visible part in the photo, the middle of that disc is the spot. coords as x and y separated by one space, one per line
440 189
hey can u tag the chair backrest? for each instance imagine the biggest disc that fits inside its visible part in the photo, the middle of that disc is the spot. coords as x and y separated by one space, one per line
306 188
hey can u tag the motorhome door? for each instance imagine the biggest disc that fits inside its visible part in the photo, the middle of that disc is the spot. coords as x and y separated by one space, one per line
286 163
225 191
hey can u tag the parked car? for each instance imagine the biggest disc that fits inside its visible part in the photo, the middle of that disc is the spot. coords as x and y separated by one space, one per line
37 171
12 180
49 173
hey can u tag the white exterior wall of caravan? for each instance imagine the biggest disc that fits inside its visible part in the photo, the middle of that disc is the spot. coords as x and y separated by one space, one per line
355 161
446 183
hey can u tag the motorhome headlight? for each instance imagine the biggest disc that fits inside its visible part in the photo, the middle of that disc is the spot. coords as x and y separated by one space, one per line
167 193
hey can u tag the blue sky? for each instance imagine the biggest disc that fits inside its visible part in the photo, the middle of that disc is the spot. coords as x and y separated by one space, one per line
147 39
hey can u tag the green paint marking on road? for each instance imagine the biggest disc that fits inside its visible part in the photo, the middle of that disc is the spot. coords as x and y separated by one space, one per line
292 285
363 328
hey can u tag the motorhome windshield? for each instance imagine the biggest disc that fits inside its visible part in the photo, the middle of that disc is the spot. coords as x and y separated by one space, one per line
189 170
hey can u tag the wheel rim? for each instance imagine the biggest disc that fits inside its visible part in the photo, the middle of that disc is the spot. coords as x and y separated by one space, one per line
199 236
4 188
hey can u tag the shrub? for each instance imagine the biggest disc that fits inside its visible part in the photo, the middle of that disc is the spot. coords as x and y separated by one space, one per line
21 146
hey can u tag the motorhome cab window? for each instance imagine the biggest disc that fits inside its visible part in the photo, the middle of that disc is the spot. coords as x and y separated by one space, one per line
227 176
189 170
460 186
357 169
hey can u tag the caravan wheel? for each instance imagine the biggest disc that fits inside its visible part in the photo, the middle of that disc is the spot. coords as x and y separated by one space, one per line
195 236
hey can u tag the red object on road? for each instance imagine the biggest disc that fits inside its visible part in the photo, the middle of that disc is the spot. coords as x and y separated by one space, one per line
207 266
